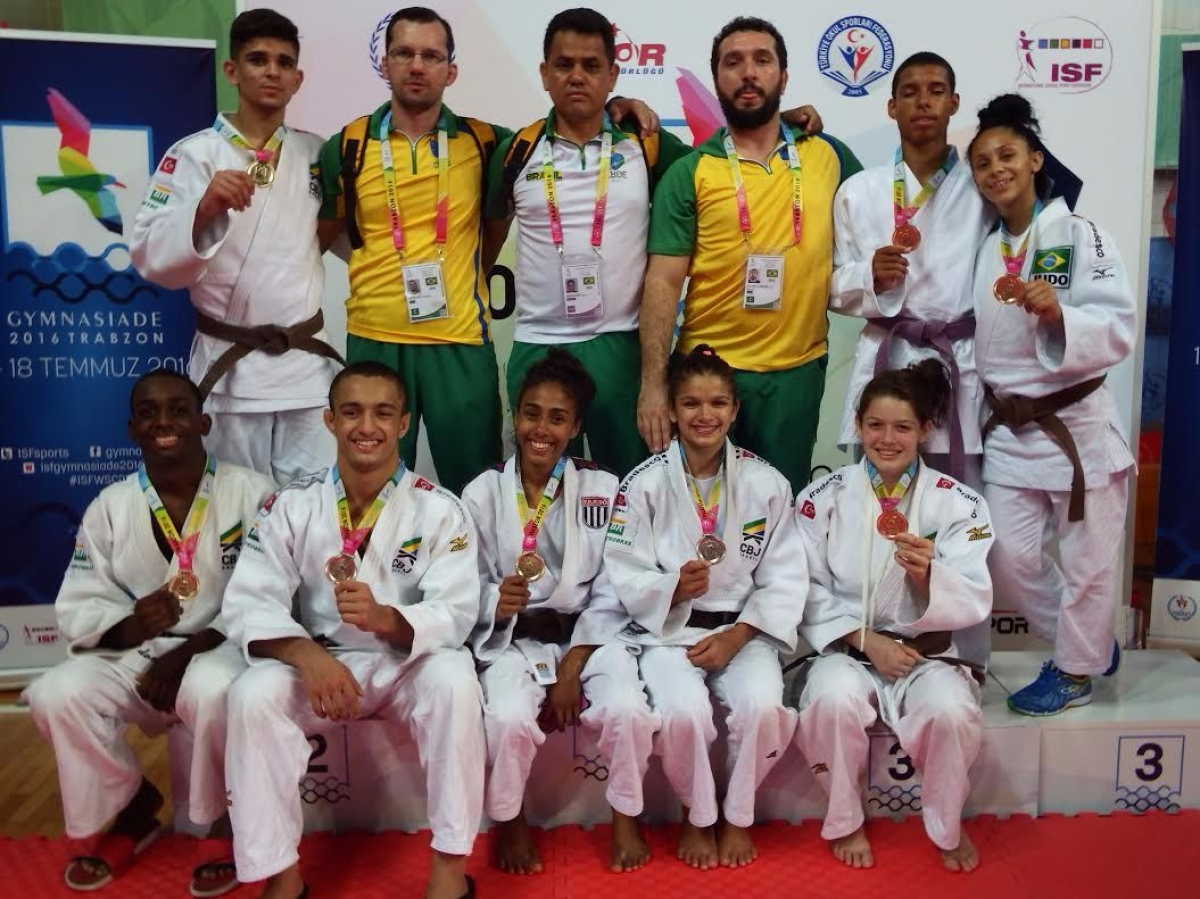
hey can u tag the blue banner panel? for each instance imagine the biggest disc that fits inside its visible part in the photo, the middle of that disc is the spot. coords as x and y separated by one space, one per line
83 123
1178 551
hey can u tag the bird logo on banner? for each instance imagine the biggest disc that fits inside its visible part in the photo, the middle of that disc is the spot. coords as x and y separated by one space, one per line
78 173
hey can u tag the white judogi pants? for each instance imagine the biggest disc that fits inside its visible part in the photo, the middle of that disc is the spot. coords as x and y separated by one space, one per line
83 707
940 726
617 708
760 726
282 445
436 695
1071 605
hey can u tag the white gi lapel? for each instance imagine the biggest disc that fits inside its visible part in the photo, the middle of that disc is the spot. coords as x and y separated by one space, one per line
683 496
560 597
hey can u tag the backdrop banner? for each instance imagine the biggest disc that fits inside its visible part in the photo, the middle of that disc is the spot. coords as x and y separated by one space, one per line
83 121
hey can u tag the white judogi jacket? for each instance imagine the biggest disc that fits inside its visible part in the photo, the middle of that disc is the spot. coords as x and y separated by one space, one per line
937 286
1019 354
261 266
836 518
654 530
420 560
117 560
571 541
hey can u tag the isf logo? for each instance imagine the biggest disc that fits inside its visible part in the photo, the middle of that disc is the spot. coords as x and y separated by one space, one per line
1068 54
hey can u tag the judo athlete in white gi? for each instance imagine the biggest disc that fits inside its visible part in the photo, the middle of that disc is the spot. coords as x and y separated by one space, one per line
549 619
884 610
382 564
140 610
905 240
703 551
244 242
1055 312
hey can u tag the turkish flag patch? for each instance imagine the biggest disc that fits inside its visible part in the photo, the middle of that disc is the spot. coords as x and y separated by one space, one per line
944 484
808 510
168 165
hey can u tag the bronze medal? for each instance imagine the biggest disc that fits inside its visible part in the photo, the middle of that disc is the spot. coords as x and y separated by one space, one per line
907 237
262 173
711 549
891 523
530 566
184 586
1008 288
340 568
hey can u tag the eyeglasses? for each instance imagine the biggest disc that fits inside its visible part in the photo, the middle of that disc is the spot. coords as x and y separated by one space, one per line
406 56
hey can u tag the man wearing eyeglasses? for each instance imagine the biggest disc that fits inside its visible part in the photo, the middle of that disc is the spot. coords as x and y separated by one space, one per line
406 184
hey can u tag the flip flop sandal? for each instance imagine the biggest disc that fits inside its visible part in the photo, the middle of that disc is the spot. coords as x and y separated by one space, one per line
215 873
113 853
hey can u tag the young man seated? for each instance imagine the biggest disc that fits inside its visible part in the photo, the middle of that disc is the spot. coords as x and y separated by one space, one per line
383 567
140 610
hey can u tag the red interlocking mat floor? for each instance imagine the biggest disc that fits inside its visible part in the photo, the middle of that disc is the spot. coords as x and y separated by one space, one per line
1087 855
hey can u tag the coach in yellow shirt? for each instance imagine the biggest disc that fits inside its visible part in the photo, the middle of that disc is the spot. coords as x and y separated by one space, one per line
748 217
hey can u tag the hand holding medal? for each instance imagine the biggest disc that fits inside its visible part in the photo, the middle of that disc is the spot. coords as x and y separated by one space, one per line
1041 300
1009 288
514 597
157 612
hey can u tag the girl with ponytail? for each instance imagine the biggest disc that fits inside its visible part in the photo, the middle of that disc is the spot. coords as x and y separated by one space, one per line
1054 312
704 554
897 557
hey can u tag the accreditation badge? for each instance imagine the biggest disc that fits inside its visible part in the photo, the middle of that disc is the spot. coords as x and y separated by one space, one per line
425 292
581 287
763 282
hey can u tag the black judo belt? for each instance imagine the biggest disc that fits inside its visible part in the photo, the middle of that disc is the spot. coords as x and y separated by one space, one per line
545 626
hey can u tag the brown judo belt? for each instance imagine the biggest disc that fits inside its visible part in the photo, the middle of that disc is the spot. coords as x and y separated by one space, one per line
1017 411
270 339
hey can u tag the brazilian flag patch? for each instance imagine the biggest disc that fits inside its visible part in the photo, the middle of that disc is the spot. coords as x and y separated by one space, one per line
1053 265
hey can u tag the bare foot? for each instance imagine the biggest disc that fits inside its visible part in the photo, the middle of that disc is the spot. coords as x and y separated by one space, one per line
515 849
734 846
698 846
964 857
629 850
448 877
853 850
286 884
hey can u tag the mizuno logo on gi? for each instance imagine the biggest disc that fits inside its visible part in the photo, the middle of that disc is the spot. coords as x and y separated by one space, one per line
406 556
1053 266
595 511
979 533
458 544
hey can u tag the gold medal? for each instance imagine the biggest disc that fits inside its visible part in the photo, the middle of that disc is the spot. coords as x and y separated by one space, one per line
891 523
711 549
341 567
184 586
262 173
1008 288
530 566
907 237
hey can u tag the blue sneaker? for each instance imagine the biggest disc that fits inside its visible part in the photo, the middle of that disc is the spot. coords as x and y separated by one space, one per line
1053 692
1116 659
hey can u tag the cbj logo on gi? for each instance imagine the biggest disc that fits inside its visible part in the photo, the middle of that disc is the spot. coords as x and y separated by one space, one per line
406 556
231 547
753 536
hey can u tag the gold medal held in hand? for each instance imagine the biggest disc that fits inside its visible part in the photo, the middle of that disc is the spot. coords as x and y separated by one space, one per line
184 586
1008 288
907 237
530 566
262 173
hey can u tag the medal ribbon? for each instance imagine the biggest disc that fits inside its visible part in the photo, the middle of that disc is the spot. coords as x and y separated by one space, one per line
266 154
890 499
352 537
709 511
1014 261
550 185
183 547
387 161
739 186
903 212
533 523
